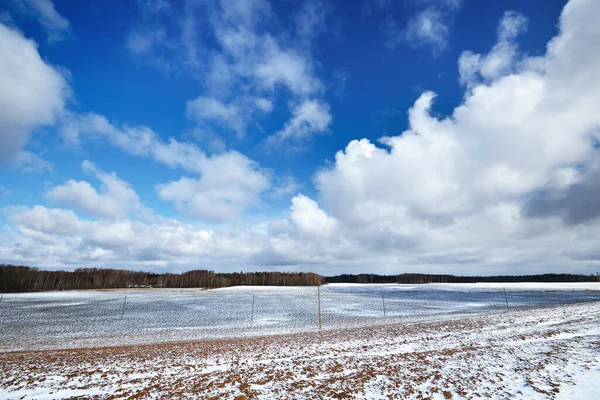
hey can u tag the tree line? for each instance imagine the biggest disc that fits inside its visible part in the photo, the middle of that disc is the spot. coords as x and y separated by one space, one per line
16 278
433 278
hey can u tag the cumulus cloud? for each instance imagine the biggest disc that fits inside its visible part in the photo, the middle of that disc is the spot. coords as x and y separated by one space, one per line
46 234
228 182
116 199
501 60
466 177
506 182
308 118
33 93
309 218
59 238
507 139
39 220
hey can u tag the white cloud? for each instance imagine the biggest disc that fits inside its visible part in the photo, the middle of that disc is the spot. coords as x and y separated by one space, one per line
55 237
208 108
284 186
211 141
58 238
501 60
507 182
308 118
428 27
464 180
30 162
309 218
138 140
55 25
511 25
40 220
209 112
229 182
264 105
287 68
116 199
311 19
249 63
33 93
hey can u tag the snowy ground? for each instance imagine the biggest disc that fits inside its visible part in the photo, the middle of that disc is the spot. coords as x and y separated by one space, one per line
551 352
53 320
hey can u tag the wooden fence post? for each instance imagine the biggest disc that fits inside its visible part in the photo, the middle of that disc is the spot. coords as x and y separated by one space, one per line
123 309
319 300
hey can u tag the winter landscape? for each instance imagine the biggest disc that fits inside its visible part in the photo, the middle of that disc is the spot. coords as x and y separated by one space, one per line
299 199
435 341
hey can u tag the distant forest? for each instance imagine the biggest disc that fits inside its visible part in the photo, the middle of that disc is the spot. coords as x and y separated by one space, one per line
429 278
15 278
25 279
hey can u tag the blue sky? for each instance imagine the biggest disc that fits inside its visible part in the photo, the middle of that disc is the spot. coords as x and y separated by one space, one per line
448 136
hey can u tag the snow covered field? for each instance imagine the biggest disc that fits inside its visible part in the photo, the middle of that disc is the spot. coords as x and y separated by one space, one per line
528 353
52 320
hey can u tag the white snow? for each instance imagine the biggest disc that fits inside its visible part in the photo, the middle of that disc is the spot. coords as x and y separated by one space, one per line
75 319
477 286
518 286
531 353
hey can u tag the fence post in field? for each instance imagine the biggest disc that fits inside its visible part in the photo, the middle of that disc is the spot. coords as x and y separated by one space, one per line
319 301
252 315
383 302
123 309
506 298
1 297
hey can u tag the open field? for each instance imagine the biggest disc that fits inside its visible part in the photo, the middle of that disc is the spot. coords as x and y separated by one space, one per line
73 319
528 354
436 341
